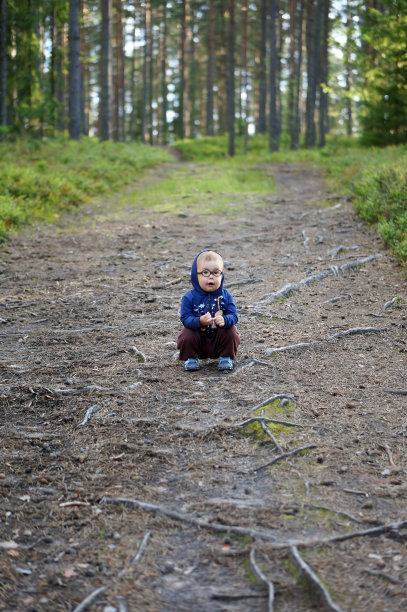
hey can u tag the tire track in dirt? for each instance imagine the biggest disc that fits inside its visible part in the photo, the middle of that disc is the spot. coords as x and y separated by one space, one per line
88 323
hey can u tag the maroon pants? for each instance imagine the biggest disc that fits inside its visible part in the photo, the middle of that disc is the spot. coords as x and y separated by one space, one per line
194 343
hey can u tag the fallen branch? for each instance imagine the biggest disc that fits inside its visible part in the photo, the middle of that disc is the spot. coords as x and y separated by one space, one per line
290 288
246 281
396 391
267 536
313 579
138 556
270 435
390 303
353 331
295 451
259 574
272 399
383 575
84 604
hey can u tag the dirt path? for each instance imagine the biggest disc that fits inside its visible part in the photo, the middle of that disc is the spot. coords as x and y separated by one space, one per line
89 319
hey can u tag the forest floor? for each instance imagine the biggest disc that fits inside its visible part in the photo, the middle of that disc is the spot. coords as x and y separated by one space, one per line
127 480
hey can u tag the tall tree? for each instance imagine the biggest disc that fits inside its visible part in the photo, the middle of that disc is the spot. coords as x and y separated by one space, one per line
75 101
261 120
230 93
313 36
210 80
274 127
3 66
105 120
164 92
118 90
244 89
324 71
296 10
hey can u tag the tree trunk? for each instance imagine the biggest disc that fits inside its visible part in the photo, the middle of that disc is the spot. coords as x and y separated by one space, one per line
210 69
75 102
324 72
314 22
274 128
184 111
244 91
105 119
145 75
150 78
231 80
348 68
3 66
119 131
221 69
132 122
261 122
164 93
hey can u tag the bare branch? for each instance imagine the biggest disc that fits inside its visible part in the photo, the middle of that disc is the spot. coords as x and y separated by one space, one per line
295 451
313 579
257 571
84 604
272 399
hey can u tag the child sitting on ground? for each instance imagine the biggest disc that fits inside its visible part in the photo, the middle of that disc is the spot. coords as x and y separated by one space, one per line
209 314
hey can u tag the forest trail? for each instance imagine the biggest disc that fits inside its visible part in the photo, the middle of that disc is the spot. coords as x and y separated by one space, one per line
96 409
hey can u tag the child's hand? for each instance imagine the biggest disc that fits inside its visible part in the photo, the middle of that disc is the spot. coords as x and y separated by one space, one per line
206 319
219 320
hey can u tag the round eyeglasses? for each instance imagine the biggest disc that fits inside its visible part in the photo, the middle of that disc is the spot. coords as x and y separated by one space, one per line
207 273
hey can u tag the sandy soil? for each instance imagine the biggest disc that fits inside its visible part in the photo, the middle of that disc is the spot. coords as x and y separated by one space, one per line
96 410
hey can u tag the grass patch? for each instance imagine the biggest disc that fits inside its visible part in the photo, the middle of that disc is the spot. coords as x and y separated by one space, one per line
227 186
39 180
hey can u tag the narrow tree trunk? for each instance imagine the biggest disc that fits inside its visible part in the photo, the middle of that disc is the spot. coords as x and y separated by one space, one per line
119 77
184 112
145 84
3 66
150 78
313 65
61 78
210 69
261 122
75 103
222 69
105 121
348 68
231 80
244 92
274 128
132 122
297 121
85 73
164 93
323 94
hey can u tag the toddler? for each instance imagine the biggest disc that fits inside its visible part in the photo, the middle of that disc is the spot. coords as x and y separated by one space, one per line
209 314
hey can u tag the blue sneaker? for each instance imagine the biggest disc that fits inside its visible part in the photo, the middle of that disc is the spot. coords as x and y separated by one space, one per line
191 365
225 363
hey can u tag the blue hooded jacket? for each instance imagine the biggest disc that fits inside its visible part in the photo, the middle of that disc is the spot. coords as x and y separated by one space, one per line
197 302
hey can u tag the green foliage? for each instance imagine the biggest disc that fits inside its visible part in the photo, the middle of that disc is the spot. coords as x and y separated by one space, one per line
381 198
39 180
384 65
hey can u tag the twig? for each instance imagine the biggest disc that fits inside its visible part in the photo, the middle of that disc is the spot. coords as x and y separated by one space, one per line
267 420
90 411
121 602
257 571
269 434
313 578
388 577
137 558
340 512
358 330
295 451
355 492
84 604
272 399
390 303
306 483
387 448
396 391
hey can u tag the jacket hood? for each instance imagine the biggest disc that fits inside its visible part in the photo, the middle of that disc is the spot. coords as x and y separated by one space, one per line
194 277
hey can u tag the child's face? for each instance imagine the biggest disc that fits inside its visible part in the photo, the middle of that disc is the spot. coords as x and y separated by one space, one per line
214 264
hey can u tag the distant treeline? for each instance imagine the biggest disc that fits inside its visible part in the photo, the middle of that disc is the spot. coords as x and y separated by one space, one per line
155 70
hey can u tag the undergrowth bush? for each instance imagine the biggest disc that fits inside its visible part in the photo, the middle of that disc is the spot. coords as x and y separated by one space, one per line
41 179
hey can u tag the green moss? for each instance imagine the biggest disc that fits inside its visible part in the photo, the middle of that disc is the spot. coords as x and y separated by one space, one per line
271 411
